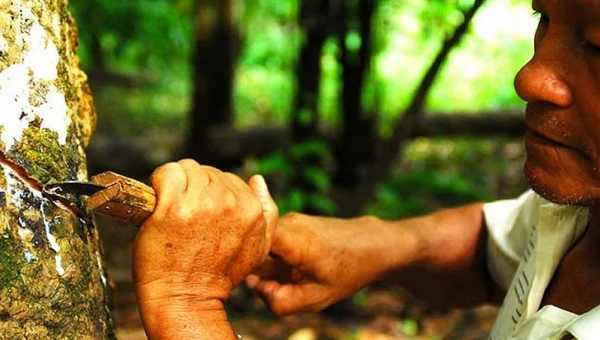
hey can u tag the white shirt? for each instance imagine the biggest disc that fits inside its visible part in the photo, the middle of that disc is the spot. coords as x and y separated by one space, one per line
528 237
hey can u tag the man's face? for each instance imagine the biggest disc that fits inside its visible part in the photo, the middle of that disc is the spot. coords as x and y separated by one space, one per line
561 85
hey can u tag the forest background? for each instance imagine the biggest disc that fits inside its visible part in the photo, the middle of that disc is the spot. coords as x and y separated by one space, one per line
391 108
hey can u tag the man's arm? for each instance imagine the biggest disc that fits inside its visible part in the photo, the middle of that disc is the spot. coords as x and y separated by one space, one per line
448 264
439 257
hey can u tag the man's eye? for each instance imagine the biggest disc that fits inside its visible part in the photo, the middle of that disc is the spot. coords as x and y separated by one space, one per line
543 18
592 47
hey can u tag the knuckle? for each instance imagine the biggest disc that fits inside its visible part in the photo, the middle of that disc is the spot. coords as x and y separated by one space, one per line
229 203
208 204
292 218
188 162
252 212
186 214
164 171
233 179
168 176
212 170
255 208
222 206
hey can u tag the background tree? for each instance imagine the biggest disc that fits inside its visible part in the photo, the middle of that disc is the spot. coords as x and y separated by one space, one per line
358 131
214 60
52 280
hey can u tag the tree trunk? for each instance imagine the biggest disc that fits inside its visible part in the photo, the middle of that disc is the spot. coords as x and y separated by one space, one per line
52 280
357 140
305 119
313 20
213 76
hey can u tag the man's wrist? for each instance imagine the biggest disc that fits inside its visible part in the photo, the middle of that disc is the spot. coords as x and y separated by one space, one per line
400 245
185 319
200 288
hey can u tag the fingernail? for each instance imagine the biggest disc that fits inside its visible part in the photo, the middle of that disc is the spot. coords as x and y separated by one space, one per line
252 281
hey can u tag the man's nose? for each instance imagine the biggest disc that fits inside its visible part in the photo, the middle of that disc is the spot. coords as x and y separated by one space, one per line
541 80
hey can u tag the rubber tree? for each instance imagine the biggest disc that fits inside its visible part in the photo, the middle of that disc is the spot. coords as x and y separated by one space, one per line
52 280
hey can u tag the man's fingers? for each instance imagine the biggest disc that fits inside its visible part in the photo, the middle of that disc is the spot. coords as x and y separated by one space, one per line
289 245
169 181
274 295
273 268
285 299
198 177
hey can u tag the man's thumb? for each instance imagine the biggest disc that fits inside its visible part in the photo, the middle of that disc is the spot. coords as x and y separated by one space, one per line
259 187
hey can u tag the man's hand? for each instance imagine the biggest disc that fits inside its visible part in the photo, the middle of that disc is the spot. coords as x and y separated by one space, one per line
208 231
331 259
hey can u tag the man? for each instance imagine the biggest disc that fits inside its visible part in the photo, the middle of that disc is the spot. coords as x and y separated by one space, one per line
542 257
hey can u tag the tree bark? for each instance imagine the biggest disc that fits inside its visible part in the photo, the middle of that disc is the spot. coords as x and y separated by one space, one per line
357 139
305 119
52 281
213 75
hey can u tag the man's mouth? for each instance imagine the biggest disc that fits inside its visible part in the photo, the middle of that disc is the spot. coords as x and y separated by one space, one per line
545 139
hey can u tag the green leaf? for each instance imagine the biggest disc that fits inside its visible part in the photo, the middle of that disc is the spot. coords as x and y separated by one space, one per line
297 200
309 149
318 177
275 163
322 204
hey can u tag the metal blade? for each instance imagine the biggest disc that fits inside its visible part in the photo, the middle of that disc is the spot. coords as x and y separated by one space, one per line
61 190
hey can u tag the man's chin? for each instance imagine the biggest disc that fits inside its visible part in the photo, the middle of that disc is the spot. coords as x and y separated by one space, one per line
557 189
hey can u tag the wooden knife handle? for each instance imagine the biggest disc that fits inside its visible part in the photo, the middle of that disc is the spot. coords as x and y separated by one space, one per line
124 199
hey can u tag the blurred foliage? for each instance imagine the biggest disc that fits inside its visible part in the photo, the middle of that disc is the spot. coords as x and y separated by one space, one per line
148 42
438 173
292 198
155 37
136 35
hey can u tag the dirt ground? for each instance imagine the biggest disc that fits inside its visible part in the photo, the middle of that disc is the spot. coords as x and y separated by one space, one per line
380 314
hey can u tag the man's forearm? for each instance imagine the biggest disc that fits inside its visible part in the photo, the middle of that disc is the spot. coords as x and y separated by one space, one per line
442 257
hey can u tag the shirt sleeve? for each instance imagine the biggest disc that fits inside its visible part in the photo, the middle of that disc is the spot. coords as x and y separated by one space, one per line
509 224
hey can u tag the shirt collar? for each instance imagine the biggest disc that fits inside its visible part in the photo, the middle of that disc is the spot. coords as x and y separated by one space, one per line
585 326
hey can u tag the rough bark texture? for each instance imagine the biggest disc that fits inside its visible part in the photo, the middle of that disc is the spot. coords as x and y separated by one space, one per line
52 281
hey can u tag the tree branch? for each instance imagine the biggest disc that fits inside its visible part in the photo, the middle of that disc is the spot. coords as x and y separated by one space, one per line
131 157
410 119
